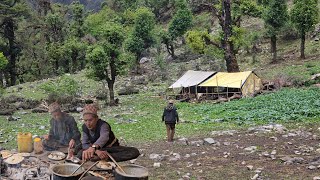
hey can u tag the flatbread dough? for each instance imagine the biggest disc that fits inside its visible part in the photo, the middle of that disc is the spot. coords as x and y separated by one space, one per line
56 155
15 159
24 154
103 164
5 154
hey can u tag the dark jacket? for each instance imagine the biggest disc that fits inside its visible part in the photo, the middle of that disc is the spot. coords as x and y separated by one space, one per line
64 130
93 139
170 115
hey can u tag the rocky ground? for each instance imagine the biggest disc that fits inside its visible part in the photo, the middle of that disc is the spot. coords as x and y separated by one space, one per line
265 152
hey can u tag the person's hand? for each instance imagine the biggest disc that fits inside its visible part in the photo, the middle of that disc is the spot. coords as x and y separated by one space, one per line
101 154
46 137
72 143
88 154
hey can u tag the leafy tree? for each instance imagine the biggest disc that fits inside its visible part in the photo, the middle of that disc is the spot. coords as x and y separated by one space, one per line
141 37
56 33
3 64
304 14
230 38
105 57
121 5
75 52
74 47
11 13
77 19
159 8
180 23
275 16
56 27
263 2
3 61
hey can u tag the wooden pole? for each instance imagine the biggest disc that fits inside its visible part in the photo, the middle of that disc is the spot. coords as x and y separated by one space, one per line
197 92
228 93
254 84
240 87
217 86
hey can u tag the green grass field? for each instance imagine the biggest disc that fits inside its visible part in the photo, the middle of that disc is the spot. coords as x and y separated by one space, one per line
288 106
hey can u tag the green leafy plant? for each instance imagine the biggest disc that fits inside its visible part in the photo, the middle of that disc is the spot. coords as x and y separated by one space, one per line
3 61
64 85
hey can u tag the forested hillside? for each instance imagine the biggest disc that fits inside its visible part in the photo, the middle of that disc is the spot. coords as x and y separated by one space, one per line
41 39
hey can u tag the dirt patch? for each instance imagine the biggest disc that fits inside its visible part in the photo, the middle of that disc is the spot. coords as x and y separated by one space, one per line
243 155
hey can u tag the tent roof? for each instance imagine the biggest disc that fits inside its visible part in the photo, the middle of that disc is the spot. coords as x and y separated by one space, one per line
224 79
191 78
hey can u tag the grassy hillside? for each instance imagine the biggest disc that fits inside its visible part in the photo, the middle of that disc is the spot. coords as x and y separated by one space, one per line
138 117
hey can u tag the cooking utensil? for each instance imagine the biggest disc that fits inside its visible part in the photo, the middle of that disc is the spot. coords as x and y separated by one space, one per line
133 172
78 167
63 171
115 162
98 176
88 169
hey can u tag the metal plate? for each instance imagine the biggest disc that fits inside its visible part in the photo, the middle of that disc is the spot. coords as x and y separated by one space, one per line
56 155
15 159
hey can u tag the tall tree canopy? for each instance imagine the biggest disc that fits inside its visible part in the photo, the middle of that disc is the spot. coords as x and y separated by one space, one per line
178 26
304 15
11 13
229 15
105 55
141 37
275 17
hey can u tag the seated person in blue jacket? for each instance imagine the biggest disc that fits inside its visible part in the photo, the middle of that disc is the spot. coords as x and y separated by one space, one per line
98 138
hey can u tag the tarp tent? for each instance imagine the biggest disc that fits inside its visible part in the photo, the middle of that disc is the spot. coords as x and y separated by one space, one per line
247 82
191 79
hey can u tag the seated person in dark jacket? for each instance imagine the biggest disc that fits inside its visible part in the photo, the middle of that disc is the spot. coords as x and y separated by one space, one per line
98 139
64 133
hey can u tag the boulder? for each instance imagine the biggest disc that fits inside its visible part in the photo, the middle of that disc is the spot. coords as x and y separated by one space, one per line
128 90
144 60
39 110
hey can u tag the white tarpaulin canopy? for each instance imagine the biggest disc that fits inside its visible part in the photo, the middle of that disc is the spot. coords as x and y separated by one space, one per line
191 78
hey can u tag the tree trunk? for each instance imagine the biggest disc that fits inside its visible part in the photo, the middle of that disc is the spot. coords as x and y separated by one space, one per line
171 52
74 63
302 46
274 47
111 92
111 80
229 52
254 51
1 80
56 66
9 34
137 69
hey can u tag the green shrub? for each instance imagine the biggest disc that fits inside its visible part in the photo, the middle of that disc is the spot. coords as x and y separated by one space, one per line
2 91
64 85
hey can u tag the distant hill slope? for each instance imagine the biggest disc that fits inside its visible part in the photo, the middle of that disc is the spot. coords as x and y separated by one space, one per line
89 4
